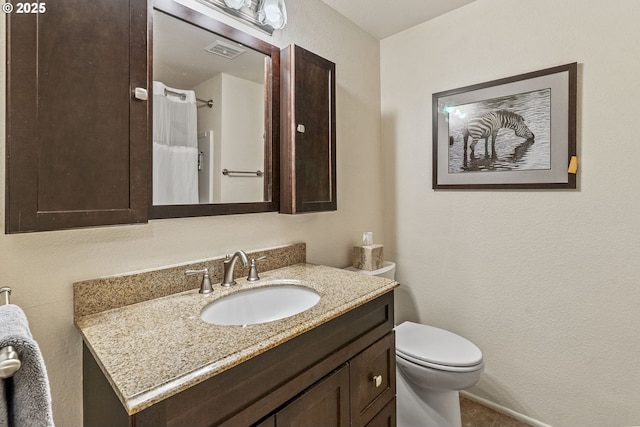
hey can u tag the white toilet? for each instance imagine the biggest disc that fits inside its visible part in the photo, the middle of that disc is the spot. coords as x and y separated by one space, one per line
432 365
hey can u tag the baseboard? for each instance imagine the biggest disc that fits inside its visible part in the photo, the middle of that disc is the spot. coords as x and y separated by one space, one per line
498 408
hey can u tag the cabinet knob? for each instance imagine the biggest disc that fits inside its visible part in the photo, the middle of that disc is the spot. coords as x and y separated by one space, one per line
140 94
300 128
377 380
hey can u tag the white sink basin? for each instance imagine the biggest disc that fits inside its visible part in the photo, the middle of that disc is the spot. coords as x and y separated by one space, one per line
276 300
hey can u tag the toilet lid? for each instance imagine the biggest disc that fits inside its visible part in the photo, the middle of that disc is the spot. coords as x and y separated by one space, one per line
435 345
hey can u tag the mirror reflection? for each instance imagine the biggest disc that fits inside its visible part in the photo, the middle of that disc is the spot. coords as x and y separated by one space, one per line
208 117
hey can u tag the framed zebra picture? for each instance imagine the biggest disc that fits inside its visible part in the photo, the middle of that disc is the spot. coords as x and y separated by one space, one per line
513 133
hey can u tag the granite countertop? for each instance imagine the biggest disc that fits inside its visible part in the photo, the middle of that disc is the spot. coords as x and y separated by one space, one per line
152 350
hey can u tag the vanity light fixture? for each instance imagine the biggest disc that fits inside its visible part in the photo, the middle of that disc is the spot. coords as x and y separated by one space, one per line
252 12
272 13
237 4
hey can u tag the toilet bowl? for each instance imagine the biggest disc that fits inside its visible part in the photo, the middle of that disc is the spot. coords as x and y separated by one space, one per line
432 365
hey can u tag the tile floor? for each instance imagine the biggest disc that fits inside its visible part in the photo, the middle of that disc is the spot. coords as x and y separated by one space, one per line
477 415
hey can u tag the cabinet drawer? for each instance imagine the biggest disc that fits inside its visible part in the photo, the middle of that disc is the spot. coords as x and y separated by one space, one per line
373 380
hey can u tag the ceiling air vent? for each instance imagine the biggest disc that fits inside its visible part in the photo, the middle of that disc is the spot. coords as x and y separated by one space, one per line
225 49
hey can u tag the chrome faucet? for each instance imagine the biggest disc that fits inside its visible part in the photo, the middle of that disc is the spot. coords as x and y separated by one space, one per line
229 265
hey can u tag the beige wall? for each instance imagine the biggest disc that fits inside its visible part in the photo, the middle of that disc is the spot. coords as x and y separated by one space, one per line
544 282
41 267
238 128
241 138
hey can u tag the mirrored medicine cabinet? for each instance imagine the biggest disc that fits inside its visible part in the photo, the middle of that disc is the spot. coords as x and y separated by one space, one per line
215 116
83 150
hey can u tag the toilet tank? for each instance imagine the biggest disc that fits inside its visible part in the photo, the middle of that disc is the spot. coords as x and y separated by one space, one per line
388 270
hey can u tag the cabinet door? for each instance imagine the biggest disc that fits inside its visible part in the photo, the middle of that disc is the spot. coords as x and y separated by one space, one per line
269 422
326 404
77 140
308 152
386 417
373 380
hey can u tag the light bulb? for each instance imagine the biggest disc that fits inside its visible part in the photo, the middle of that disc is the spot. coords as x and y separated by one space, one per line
273 13
237 4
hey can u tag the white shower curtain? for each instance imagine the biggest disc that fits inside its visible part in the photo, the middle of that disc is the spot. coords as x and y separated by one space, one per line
175 146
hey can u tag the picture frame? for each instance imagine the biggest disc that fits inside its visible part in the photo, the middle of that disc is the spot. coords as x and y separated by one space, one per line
531 116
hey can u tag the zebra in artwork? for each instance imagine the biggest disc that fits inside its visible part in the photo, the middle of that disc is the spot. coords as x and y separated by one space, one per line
489 124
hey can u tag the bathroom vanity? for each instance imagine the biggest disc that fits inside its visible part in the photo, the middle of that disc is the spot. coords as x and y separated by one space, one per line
156 363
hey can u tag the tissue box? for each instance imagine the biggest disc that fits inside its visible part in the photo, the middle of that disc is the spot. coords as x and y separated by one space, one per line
370 257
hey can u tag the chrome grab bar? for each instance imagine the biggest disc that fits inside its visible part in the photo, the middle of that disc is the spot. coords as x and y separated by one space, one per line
182 96
256 173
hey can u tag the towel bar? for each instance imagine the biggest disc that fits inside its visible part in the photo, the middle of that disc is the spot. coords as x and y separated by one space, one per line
227 172
5 293
9 359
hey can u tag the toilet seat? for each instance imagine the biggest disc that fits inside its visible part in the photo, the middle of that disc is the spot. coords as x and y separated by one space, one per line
436 348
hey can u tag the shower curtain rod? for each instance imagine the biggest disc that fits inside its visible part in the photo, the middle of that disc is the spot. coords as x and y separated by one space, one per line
182 96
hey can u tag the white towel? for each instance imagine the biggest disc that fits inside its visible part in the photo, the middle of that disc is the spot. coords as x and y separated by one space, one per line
25 398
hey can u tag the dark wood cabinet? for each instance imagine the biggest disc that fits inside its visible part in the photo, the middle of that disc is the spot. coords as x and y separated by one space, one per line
386 417
327 401
326 376
373 384
360 393
77 140
308 144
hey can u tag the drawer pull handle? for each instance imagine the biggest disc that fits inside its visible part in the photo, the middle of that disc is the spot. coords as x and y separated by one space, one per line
377 380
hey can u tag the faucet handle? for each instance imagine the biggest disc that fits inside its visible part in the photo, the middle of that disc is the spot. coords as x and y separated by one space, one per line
205 285
253 269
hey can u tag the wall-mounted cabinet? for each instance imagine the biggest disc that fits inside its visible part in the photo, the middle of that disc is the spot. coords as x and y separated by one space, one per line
308 144
78 150
77 140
